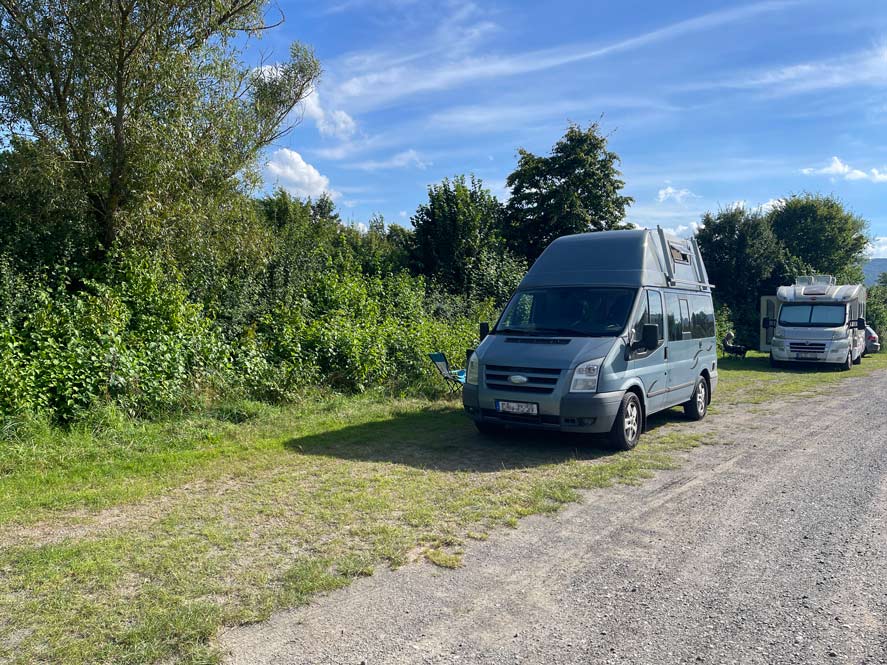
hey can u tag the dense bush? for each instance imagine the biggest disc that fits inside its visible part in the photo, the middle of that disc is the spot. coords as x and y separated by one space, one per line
135 340
132 339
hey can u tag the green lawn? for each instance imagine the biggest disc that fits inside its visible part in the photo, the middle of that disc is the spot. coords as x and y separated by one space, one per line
134 543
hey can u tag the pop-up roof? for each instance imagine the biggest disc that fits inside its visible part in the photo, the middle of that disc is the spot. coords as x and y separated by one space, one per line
620 258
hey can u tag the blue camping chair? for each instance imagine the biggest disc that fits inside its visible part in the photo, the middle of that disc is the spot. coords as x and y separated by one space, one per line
455 378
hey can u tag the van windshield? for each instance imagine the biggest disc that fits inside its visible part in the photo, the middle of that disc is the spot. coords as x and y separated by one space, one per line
819 316
574 310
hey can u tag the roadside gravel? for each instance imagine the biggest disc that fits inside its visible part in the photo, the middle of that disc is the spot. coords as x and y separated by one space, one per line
772 549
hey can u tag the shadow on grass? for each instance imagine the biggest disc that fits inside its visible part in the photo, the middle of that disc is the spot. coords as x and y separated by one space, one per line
762 364
447 441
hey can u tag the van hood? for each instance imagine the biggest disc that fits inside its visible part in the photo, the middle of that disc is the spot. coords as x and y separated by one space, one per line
542 352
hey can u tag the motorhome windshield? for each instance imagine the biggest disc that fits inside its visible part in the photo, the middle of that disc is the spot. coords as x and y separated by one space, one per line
576 310
820 316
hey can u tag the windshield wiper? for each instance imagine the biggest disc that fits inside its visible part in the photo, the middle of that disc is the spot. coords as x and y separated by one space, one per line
512 331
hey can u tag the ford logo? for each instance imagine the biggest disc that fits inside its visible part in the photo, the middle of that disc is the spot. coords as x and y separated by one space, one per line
518 379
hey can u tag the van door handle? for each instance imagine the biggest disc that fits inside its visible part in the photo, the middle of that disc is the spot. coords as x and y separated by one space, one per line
666 353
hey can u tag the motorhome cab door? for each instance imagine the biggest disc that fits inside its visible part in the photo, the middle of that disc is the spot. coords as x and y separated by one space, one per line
769 309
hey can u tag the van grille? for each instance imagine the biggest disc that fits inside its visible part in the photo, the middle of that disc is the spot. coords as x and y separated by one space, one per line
807 347
540 381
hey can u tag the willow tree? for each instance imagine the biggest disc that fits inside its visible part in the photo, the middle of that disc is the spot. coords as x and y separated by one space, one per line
142 106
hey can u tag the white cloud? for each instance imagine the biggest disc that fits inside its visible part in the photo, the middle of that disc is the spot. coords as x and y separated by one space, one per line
864 68
296 175
840 169
396 76
329 123
878 248
505 115
772 204
407 158
669 193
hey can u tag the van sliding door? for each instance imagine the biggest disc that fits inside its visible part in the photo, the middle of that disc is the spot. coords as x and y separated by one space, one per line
682 350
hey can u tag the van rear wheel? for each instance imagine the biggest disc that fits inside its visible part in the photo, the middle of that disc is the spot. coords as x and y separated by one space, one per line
627 427
697 407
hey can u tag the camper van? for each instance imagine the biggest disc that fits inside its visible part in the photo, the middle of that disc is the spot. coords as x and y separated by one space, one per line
604 330
819 321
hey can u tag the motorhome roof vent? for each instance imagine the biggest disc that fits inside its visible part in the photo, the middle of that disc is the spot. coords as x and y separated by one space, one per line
810 280
815 290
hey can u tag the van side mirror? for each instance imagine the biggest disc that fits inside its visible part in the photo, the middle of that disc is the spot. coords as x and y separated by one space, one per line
765 324
483 330
860 323
650 336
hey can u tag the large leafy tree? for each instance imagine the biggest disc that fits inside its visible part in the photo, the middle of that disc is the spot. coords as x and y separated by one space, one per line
742 256
142 108
460 220
822 234
577 188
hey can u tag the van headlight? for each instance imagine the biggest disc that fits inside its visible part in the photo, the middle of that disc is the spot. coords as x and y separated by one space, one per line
472 370
585 377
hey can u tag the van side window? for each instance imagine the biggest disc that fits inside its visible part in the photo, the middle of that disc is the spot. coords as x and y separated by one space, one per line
686 330
675 331
702 317
654 309
678 255
642 318
650 312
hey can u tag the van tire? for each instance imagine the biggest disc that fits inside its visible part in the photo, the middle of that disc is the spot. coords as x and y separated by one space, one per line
626 430
858 360
847 365
776 364
697 407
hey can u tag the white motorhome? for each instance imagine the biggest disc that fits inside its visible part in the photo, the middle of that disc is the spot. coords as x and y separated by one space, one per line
818 321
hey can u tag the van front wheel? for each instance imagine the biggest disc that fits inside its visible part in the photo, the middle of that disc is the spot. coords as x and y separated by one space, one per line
627 428
698 404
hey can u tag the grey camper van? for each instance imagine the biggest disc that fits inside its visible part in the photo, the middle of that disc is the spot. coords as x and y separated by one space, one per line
605 329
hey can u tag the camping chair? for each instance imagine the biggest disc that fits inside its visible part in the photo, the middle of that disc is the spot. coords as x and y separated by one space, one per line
455 378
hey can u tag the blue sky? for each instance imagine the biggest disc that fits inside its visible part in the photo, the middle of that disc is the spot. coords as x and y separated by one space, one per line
707 103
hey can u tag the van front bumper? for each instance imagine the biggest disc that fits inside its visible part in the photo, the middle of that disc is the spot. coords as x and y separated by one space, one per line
587 413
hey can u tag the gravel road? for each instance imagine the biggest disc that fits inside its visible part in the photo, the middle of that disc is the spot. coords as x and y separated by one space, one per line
769 550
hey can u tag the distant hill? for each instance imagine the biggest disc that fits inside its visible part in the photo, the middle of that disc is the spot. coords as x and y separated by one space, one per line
873 269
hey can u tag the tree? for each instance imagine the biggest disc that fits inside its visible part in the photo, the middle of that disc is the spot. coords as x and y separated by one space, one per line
742 257
821 233
574 190
143 103
460 220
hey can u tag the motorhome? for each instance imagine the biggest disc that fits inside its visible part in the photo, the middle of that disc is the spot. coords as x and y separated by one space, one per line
818 321
604 330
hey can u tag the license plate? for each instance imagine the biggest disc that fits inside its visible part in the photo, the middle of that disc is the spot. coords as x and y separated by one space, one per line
518 408
807 356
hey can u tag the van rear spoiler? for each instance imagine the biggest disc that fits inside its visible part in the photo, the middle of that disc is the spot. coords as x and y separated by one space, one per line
698 265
